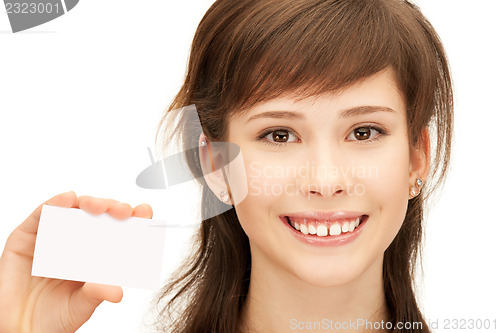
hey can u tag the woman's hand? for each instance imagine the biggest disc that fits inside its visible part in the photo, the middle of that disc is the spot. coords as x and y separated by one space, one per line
36 304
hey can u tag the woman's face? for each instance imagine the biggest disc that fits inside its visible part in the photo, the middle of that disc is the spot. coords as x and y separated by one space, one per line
341 155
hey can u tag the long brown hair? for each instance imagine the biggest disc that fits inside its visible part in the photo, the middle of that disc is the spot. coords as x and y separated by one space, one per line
248 51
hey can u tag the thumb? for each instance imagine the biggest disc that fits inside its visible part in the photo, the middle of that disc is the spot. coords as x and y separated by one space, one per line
96 293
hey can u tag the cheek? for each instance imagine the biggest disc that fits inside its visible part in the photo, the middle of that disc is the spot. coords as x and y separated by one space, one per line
264 190
267 179
389 174
387 188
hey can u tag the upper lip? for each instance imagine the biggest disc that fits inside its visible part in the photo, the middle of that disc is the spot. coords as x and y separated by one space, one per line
335 215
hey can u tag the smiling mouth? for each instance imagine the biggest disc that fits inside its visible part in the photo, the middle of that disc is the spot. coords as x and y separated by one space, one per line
323 228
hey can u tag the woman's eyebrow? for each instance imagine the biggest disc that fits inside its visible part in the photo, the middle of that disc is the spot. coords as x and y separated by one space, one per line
355 111
367 109
277 114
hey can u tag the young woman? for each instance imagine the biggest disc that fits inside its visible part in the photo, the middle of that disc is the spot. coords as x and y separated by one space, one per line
343 114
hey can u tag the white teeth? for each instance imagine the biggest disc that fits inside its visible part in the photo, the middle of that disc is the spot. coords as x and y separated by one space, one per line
351 226
322 230
335 229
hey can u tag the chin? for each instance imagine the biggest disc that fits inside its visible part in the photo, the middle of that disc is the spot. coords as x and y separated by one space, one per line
334 273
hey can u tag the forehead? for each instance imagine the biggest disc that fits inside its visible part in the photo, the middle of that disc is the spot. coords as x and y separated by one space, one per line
380 89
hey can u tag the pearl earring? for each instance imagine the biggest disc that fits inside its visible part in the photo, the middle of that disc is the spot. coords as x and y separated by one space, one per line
224 196
415 189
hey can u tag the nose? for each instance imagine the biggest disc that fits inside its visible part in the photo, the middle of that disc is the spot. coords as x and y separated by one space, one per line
327 173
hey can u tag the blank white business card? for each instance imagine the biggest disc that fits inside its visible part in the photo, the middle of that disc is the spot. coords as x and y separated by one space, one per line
73 244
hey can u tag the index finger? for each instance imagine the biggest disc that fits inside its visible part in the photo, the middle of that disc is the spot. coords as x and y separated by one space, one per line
67 200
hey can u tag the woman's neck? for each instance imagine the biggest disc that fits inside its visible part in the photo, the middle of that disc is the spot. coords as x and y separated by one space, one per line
279 302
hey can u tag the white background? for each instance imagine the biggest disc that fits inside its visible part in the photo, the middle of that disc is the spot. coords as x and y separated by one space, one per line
81 96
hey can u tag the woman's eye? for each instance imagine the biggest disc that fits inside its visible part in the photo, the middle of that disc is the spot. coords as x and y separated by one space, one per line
365 133
279 136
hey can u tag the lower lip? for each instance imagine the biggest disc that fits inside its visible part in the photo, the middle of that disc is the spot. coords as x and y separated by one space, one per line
326 241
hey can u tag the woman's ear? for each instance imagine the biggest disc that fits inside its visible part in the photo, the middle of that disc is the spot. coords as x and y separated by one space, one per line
420 157
212 166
